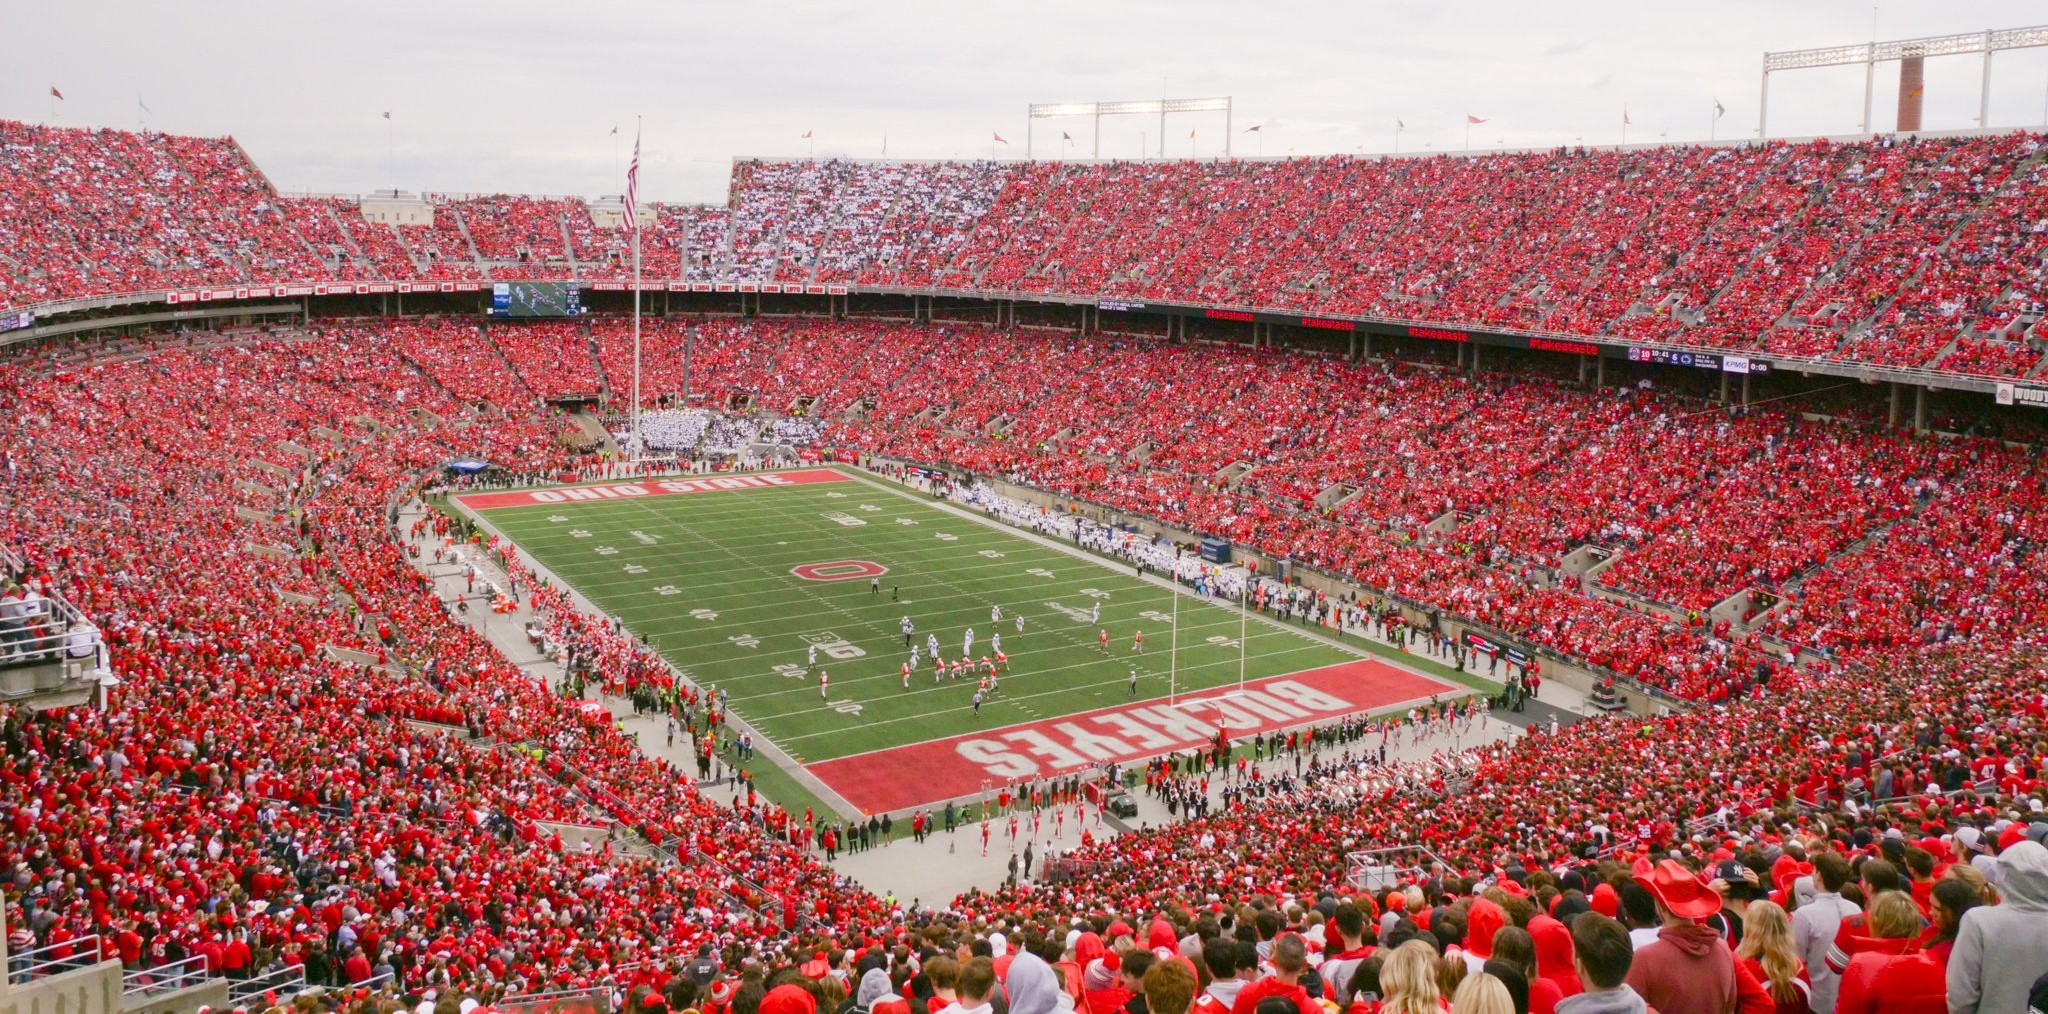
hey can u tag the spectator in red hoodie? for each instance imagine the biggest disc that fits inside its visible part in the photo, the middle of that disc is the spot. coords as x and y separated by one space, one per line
1553 941
1486 919
357 967
1689 969
1515 947
1890 974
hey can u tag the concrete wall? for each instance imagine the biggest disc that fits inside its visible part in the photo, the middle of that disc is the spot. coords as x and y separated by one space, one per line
402 210
211 993
94 990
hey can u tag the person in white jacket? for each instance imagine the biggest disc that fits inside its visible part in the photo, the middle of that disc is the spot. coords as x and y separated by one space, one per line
1814 925
2001 949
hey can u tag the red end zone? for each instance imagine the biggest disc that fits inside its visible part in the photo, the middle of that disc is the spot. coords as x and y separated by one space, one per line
881 780
648 487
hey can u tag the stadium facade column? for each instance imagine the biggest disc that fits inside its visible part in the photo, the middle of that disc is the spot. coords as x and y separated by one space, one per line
1984 92
1724 387
1475 360
1892 419
1583 367
1745 389
1912 90
1919 410
1600 378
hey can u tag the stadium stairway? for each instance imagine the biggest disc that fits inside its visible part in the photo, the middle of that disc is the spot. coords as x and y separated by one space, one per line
595 430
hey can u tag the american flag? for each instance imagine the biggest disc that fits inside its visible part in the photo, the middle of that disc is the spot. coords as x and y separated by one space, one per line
633 188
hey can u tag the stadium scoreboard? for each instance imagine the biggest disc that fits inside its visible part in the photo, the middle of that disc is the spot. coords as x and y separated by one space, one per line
536 299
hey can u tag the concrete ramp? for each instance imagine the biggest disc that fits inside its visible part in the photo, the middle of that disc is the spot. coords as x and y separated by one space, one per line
439 729
1231 473
1334 494
1446 524
353 656
1737 606
373 424
1141 453
1583 559
296 449
265 549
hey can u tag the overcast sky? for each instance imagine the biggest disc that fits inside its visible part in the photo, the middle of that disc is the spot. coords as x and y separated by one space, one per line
519 96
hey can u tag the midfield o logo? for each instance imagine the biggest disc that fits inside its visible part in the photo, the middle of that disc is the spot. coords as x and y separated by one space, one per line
839 570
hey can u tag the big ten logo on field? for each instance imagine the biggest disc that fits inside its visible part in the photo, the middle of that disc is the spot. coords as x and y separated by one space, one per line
834 646
845 519
1077 615
839 570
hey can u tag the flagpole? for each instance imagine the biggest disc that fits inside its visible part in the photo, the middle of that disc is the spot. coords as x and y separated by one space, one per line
1243 615
1173 634
633 216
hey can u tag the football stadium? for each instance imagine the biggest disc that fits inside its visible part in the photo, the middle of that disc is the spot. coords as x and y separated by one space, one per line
1245 553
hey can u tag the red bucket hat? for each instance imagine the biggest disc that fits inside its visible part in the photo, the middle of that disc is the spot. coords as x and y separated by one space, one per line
1680 891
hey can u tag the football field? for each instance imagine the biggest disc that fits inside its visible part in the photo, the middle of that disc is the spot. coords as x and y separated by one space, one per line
758 585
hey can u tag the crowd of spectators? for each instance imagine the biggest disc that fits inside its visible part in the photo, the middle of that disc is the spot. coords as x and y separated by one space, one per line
297 819
554 358
253 800
663 431
1907 252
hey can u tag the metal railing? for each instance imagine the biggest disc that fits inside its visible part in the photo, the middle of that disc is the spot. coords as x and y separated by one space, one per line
289 979
57 631
592 999
165 978
37 962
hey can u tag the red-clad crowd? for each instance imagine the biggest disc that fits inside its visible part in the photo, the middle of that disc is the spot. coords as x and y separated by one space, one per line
1458 493
261 803
1906 252
253 799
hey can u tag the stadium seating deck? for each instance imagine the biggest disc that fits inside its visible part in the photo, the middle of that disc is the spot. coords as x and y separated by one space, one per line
1897 252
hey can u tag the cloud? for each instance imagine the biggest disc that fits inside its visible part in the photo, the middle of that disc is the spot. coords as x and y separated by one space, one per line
519 95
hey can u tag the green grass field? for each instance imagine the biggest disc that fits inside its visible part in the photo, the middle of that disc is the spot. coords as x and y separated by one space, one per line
707 579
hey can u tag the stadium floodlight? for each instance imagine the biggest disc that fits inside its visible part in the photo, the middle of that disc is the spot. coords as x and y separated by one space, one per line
1911 54
1142 107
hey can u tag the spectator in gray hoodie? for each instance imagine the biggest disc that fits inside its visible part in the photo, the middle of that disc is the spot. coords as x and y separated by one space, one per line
1031 984
2001 949
1602 953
